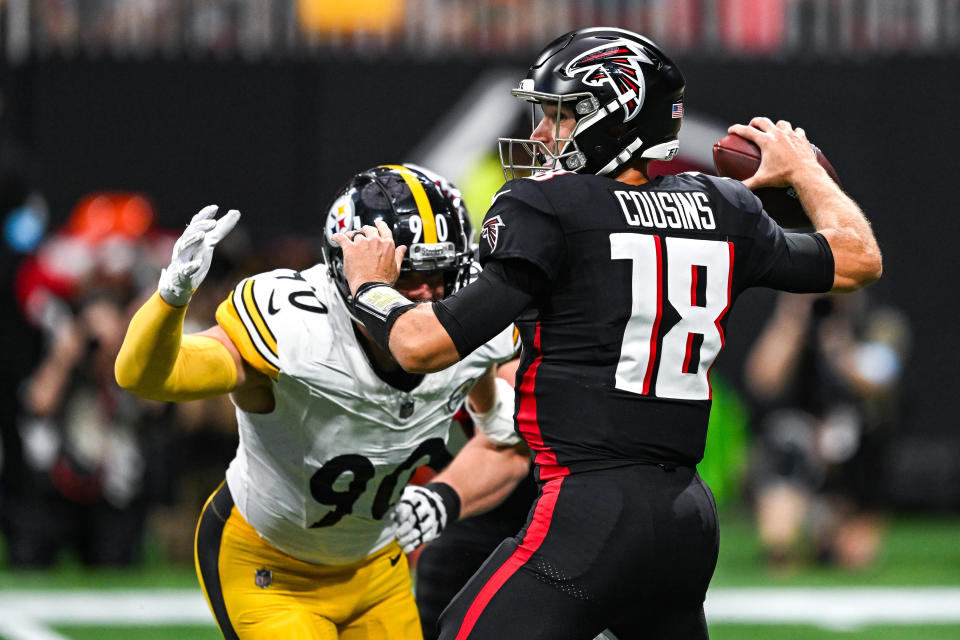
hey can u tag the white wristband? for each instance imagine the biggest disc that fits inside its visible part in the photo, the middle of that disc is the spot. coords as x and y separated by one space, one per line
497 423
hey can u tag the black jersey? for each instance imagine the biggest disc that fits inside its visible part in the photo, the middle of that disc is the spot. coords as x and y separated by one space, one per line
617 351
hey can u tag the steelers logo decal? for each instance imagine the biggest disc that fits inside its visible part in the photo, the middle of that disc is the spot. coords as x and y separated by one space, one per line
340 219
456 398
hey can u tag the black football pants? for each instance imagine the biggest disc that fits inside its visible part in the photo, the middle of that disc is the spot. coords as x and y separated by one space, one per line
631 549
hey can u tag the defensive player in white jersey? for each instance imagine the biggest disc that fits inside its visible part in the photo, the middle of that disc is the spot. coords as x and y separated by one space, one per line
301 539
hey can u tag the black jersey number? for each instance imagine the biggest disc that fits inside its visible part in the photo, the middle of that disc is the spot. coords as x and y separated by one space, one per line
361 471
697 285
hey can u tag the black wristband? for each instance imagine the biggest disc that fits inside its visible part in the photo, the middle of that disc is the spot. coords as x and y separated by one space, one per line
378 305
450 498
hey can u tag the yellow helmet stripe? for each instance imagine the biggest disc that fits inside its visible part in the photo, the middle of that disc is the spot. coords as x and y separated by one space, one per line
423 202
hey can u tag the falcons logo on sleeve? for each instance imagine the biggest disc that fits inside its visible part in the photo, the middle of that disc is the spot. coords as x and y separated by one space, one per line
491 231
618 65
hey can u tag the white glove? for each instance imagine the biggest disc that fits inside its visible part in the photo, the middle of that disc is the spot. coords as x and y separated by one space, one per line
423 512
193 253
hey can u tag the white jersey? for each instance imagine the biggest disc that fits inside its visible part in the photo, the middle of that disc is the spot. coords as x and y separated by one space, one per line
318 476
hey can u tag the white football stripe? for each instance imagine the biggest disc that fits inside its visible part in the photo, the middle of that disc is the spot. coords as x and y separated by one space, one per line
22 612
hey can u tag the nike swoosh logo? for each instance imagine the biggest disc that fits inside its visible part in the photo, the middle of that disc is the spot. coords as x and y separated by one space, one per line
272 310
497 195
394 561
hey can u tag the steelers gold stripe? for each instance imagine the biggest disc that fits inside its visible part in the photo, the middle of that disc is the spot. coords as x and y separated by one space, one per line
423 202
239 333
259 323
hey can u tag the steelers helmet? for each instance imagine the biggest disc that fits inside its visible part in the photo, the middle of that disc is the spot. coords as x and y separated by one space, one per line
423 210
626 95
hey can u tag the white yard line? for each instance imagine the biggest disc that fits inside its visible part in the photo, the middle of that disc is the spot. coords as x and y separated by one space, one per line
15 627
835 607
24 613
135 607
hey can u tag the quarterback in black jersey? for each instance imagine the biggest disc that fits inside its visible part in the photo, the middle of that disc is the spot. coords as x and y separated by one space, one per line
621 287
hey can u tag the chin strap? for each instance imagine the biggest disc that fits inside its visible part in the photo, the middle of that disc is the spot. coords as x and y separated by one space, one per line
621 157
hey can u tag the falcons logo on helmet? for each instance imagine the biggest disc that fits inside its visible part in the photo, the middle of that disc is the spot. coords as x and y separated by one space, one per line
618 65
491 231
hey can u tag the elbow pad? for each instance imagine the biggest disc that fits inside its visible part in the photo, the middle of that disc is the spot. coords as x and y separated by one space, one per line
497 423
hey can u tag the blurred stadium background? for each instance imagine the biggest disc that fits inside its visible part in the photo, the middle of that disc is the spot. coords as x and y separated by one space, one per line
120 118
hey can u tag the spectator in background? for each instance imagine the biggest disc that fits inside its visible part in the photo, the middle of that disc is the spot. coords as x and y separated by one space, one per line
81 438
82 482
825 372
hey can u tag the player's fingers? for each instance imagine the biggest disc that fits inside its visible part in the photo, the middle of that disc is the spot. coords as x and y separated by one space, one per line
763 123
409 539
384 229
188 241
223 226
800 132
404 527
191 267
750 133
204 214
369 231
398 254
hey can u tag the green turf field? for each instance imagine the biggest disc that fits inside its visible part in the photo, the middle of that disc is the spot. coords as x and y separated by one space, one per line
791 632
139 633
157 601
717 632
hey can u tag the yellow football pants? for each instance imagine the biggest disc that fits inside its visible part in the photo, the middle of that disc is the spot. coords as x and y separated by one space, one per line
257 592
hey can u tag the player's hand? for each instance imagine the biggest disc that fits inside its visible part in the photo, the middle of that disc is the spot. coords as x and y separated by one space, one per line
420 516
369 255
785 152
193 253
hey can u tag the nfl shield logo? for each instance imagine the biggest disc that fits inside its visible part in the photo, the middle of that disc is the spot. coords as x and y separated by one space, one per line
263 578
406 409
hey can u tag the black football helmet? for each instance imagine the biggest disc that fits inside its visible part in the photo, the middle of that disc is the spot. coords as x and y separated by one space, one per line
423 210
626 94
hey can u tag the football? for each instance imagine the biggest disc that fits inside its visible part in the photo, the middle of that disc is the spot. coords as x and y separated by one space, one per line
738 158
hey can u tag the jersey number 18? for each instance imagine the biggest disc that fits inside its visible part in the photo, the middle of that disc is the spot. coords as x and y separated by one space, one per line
697 285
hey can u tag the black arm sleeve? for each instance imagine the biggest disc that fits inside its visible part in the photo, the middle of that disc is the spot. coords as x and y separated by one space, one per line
482 309
806 266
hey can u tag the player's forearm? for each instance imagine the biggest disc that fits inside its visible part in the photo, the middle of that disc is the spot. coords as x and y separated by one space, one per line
157 362
419 343
483 474
857 258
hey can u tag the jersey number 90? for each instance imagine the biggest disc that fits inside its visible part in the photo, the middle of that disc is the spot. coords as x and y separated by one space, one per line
360 471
